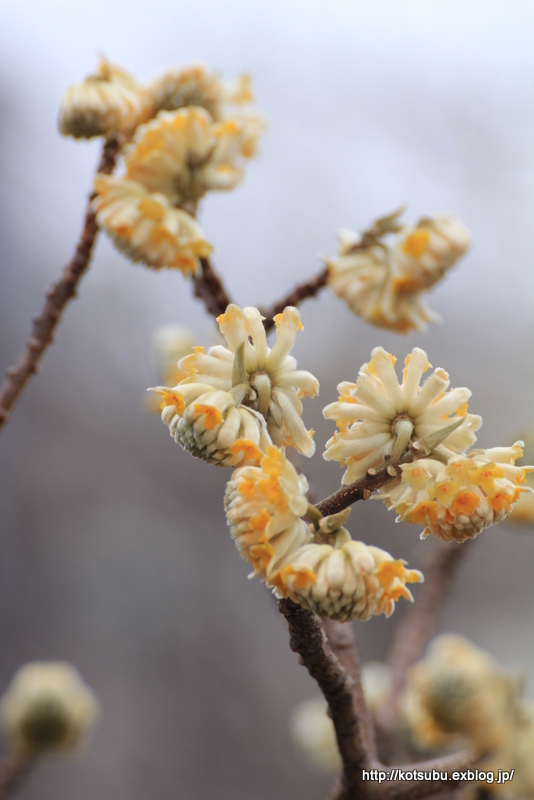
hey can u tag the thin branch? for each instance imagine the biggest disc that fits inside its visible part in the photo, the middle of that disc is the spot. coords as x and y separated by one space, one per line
363 488
210 289
294 298
418 624
57 297
13 771
308 639
342 642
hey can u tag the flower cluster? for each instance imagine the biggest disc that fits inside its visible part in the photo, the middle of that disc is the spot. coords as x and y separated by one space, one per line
246 392
47 706
344 580
456 500
457 689
383 284
378 418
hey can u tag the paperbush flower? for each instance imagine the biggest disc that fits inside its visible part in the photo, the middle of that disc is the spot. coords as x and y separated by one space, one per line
259 383
110 100
378 418
456 500
145 227
47 706
347 580
383 284
184 154
263 509
457 689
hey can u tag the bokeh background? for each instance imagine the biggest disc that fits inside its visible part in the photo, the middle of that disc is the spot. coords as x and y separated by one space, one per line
114 552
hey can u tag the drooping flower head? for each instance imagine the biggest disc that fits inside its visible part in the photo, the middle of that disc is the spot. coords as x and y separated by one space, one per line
382 284
378 418
146 227
184 154
256 391
110 100
47 706
456 500
457 689
344 580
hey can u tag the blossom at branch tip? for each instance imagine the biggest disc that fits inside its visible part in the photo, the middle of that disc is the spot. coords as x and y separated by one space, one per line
108 101
196 85
382 284
264 506
344 580
184 154
378 418
458 690
46 707
263 383
146 227
456 500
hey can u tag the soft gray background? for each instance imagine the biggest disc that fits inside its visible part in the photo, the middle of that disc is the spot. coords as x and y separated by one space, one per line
114 552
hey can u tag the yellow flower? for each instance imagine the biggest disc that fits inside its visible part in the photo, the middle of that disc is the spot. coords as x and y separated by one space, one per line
47 706
263 509
456 500
263 382
378 417
457 689
108 101
184 154
146 228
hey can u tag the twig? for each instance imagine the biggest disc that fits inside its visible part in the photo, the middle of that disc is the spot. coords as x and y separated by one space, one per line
294 298
57 297
13 770
363 488
415 629
210 289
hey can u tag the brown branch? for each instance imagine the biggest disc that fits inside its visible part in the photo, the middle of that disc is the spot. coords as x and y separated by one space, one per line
415 629
210 289
13 770
308 639
57 297
363 488
294 298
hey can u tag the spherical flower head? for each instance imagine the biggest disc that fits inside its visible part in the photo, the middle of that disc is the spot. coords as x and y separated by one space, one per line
458 499
261 386
146 227
457 689
193 85
423 254
184 154
378 418
264 506
345 581
361 275
47 707
109 101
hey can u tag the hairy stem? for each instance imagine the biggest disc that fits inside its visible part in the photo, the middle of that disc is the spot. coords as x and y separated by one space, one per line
294 298
210 289
57 297
13 771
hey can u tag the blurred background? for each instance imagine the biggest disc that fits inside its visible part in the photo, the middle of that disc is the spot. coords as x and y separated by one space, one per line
114 553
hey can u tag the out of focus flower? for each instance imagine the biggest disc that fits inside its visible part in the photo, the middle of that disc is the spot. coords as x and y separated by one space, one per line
349 580
196 85
108 101
376 684
46 707
169 343
382 284
457 689
423 254
263 509
259 383
313 732
378 418
344 580
184 154
456 500
145 227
